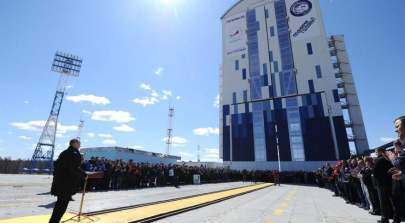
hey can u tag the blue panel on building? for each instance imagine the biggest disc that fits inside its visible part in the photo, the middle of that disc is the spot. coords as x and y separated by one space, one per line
341 136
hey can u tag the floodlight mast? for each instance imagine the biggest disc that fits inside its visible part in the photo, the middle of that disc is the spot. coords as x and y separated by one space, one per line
66 65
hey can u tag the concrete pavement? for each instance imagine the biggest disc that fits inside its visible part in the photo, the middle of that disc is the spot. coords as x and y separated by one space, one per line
288 203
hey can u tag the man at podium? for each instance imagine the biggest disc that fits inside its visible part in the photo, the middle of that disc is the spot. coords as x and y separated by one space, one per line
67 178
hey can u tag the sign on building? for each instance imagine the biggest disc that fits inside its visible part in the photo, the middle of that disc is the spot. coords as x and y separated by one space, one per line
303 19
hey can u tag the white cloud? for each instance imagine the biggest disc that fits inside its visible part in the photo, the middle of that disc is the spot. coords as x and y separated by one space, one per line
210 155
387 139
136 147
86 112
66 128
167 92
216 102
154 94
93 99
91 134
186 156
206 131
38 125
25 137
123 128
114 116
29 126
178 97
145 86
109 142
26 102
58 135
146 101
159 71
176 141
69 87
104 135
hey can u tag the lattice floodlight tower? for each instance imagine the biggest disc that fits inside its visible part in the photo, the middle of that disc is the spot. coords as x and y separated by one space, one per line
66 65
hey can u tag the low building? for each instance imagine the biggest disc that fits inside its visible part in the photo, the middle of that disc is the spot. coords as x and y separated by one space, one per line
126 154
203 164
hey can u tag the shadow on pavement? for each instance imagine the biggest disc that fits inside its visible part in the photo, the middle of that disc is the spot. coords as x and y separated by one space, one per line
48 206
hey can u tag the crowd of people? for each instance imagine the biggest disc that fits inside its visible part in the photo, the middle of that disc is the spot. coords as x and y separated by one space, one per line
375 183
118 174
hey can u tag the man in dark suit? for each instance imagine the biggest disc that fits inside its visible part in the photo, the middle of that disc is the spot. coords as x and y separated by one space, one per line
384 184
67 178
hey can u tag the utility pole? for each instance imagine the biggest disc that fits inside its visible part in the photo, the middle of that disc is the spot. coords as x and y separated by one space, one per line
169 137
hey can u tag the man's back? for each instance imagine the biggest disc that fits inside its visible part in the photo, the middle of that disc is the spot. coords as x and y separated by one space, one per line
67 174
380 172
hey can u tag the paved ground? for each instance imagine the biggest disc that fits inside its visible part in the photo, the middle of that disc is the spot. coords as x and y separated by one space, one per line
275 204
22 195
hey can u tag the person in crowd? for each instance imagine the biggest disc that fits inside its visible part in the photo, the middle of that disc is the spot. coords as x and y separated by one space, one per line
399 171
276 177
397 187
368 180
67 178
384 184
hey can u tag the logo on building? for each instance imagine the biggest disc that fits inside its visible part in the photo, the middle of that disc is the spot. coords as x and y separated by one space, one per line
305 26
235 34
301 8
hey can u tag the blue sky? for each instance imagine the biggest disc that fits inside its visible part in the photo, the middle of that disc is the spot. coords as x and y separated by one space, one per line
162 52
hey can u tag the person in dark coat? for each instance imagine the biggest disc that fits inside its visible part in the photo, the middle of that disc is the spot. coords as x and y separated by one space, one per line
384 184
67 178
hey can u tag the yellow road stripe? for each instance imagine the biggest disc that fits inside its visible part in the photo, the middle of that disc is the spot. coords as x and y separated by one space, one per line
157 209
278 212
147 211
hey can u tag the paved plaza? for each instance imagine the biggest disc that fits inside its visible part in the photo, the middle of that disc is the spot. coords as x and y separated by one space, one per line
287 203
22 195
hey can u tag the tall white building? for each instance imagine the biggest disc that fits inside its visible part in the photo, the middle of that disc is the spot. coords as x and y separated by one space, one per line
280 97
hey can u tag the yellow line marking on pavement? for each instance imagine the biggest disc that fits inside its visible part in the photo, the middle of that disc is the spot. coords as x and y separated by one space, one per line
278 212
149 211
284 204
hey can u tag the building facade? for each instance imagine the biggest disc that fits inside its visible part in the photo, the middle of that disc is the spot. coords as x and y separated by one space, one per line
279 96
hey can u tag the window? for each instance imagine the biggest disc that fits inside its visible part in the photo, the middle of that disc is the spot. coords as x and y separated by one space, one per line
243 56
244 73
311 86
265 80
275 66
245 96
234 97
309 49
271 30
271 56
266 13
318 71
336 95
236 64
265 69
